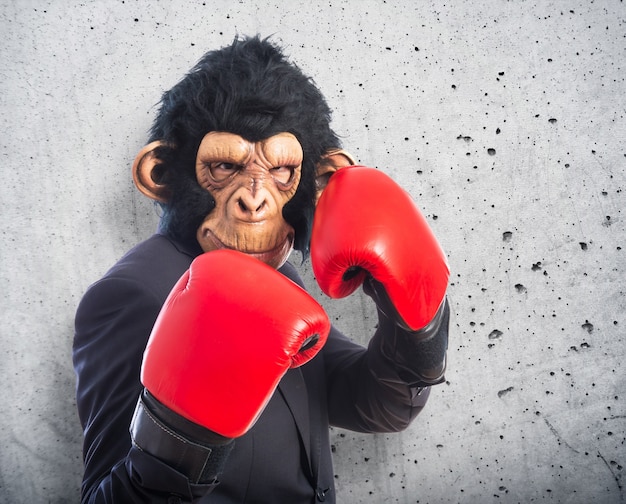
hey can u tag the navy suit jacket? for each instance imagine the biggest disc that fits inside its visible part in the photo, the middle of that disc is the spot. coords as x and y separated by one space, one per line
286 456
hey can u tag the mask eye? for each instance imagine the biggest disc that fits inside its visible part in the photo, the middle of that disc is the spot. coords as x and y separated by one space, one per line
283 175
222 171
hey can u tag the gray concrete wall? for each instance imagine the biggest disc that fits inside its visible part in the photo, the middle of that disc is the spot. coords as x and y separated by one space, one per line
504 119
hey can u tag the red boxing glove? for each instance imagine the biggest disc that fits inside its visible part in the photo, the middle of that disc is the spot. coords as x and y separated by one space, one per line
366 224
229 330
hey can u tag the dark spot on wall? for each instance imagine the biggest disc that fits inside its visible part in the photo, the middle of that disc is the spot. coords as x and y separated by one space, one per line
491 151
536 266
520 288
552 120
495 334
587 326
502 393
583 245
506 236
584 346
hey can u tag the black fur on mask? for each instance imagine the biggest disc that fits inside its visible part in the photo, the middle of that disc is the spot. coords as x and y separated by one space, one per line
248 88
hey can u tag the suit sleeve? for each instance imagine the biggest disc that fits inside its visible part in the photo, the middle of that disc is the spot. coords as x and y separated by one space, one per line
112 326
373 389
378 388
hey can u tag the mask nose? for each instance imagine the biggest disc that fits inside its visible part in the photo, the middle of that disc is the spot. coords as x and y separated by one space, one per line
252 205
253 202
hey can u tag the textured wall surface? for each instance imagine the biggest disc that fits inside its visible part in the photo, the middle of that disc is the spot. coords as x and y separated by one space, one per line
505 120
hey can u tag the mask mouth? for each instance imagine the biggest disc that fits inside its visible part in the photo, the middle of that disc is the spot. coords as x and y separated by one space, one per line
274 257
277 256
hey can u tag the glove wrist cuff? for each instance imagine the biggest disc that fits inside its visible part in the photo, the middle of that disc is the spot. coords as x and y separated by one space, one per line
200 458
420 356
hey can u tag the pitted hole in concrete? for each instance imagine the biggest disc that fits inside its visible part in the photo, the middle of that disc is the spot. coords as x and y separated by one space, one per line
587 326
502 393
495 334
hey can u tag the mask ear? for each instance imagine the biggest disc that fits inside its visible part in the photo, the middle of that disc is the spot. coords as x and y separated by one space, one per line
145 173
329 164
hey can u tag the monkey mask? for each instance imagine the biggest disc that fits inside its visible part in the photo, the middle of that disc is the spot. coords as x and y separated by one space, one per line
250 182
240 151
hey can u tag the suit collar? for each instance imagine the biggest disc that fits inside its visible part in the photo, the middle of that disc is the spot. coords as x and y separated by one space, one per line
192 250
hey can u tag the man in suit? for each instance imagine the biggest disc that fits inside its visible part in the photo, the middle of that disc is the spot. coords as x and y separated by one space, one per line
204 370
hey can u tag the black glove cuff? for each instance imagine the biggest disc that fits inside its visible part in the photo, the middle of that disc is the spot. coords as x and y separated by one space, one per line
419 356
196 452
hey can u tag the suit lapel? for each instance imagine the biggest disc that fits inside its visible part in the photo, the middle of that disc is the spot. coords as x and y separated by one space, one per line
293 389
